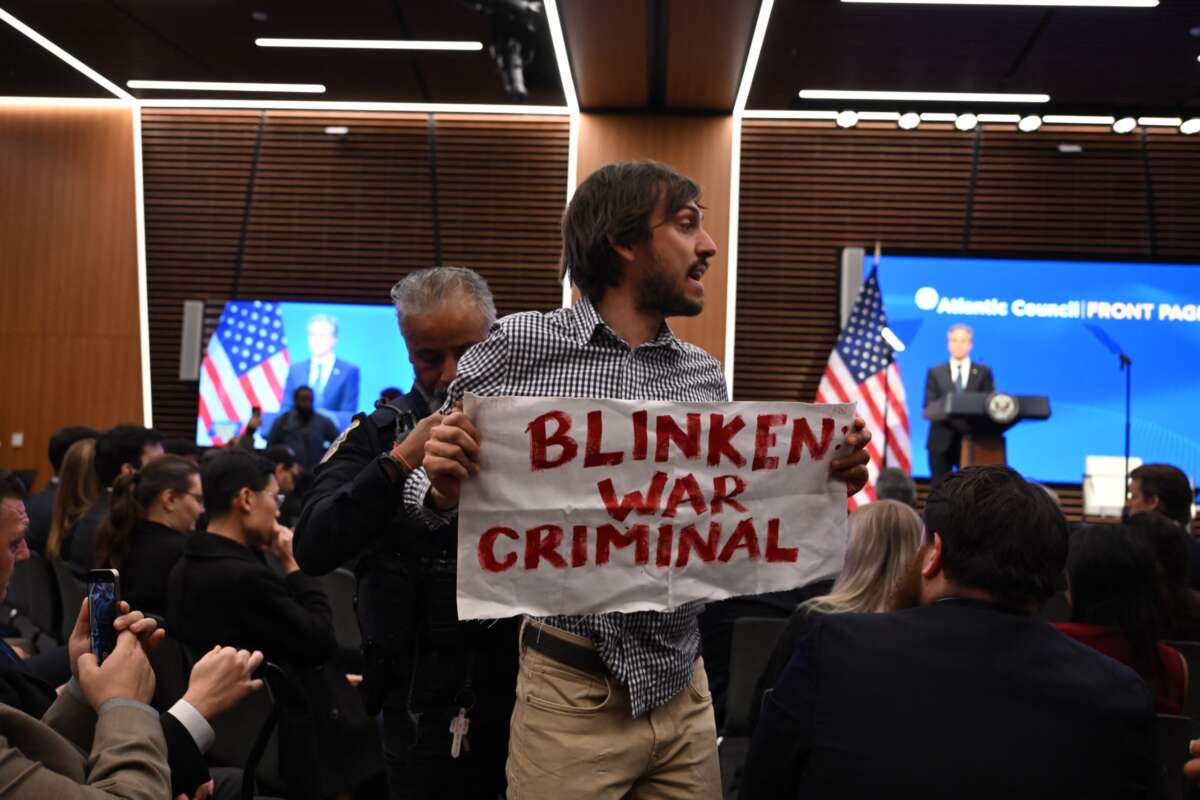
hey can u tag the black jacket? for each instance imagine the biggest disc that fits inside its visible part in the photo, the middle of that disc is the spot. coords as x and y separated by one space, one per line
40 509
406 572
957 699
222 592
152 553
80 548
938 384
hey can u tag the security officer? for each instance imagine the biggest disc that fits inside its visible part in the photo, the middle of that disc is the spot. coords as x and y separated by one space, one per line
431 674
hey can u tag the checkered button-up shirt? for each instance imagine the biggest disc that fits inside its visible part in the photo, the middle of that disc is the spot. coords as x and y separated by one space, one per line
571 352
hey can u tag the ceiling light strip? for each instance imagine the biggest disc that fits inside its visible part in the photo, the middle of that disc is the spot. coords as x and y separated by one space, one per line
139 194
1070 3
1071 119
64 55
752 56
938 116
1013 118
227 86
371 44
782 114
78 102
926 97
560 56
1160 122
749 69
879 116
334 105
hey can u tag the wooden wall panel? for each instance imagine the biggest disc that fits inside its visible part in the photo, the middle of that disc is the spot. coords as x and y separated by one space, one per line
808 189
69 338
699 147
1031 197
268 205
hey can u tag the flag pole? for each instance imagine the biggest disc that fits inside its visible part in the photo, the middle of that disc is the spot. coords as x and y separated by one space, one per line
887 391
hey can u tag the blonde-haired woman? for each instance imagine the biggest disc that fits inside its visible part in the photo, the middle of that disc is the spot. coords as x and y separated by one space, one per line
876 576
78 488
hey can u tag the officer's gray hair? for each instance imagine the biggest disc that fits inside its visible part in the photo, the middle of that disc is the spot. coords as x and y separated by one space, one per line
427 289
959 326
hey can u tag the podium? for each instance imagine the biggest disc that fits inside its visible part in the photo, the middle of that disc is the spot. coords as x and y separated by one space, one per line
983 417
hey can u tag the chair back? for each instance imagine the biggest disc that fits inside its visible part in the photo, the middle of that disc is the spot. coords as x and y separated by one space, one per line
1191 654
172 667
247 737
71 592
753 640
33 592
340 587
1173 733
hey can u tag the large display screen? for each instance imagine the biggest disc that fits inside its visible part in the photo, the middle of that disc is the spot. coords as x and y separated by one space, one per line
1049 328
262 351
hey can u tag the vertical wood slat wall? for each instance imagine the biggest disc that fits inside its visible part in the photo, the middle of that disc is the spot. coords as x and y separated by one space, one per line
809 189
266 204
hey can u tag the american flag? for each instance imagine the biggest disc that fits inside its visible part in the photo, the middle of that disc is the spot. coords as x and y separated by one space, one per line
245 365
856 374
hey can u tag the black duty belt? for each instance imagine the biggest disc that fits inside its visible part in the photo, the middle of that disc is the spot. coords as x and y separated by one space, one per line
584 659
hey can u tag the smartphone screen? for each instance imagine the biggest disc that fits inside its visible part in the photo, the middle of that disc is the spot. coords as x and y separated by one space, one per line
104 592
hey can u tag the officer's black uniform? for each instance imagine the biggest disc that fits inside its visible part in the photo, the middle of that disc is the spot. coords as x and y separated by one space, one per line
422 664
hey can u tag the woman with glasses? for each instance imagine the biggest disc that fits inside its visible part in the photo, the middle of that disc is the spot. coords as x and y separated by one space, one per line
150 514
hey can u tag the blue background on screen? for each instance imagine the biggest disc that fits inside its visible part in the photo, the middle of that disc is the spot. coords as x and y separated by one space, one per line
368 338
1060 357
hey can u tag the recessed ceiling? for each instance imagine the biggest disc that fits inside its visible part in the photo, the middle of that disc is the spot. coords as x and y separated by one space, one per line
1089 60
214 40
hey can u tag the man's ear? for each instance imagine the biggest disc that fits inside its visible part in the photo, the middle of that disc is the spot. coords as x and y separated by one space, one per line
931 563
243 500
624 251
1153 502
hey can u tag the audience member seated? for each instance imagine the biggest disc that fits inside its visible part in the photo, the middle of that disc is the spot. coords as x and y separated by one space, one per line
218 681
287 475
884 537
150 514
1165 489
41 505
77 492
967 695
120 451
894 483
1170 545
305 431
222 591
1116 608
182 447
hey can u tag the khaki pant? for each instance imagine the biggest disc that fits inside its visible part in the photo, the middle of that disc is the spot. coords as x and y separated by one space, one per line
573 737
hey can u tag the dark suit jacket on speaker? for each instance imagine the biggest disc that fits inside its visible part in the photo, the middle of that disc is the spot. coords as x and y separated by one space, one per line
938 384
953 700
341 388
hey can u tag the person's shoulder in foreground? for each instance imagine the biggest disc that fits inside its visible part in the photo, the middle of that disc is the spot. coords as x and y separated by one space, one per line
967 694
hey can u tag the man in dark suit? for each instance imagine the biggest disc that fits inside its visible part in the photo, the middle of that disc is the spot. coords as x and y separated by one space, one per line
222 591
967 694
334 380
40 507
959 374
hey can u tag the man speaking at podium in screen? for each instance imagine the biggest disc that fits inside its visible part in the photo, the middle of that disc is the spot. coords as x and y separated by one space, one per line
334 380
959 374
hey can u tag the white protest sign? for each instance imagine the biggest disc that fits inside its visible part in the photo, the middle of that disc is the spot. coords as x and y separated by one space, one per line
584 506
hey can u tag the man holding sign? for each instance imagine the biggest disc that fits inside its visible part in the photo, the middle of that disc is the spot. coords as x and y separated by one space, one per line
610 704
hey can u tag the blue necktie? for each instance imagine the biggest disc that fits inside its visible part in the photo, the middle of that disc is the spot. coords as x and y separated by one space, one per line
959 383
319 388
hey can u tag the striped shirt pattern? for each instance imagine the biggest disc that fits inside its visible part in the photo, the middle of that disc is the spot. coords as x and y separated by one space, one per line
571 352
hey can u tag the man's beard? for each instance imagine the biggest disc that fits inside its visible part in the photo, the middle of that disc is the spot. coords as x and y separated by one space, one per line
907 592
657 294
